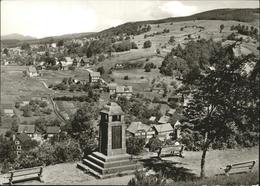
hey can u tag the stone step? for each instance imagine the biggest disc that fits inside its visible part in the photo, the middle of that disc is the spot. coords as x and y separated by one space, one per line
86 169
119 169
96 174
105 158
93 166
110 170
109 164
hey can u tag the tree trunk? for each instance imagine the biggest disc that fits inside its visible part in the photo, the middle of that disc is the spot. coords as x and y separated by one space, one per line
202 164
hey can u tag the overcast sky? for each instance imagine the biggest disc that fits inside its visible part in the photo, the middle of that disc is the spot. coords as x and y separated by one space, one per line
41 18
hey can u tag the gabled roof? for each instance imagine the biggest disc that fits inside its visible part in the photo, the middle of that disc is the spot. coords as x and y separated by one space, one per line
124 89
112 109
136 126
53 130
23 137
171 111
28 129
163 127
96 74
164 119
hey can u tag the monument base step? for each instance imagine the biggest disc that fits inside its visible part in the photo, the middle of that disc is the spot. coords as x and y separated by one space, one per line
104 167
87 169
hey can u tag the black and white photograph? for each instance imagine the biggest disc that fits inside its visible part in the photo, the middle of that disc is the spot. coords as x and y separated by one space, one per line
129 92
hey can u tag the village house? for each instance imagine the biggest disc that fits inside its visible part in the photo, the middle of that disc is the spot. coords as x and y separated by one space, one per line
32 72
94 77
84 61
67 63
24 103
163 131
125 91
51 131
138 129
178 99
112 88
158 90
9 112
19 140
27 129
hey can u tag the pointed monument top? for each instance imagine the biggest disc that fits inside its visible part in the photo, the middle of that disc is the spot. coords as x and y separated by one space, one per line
112 108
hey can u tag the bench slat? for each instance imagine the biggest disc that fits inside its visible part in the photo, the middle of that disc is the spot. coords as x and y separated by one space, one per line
248 162
26 174
20 170
236 167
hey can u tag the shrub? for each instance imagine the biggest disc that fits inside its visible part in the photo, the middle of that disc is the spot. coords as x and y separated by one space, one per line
147 44
147 68
126 78
141 179
17 105
101 70
47 111
27 112
72 68
134 45
101 58
134 145
43 104
154 144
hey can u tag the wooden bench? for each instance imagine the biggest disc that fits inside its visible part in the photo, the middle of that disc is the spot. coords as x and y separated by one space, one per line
171 150
25 174
236 168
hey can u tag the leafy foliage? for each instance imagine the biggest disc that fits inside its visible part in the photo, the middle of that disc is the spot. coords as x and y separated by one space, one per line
134 145
147 44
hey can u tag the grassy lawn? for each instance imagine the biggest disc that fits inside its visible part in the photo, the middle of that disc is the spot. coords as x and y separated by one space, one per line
239 179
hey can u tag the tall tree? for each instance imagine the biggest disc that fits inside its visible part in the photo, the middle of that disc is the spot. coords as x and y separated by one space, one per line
224 104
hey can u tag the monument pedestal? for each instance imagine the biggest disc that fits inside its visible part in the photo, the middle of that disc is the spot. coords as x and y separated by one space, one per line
112 159
104 166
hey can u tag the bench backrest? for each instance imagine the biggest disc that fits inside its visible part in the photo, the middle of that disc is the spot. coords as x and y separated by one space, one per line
173 148
248 163
242 167
23 172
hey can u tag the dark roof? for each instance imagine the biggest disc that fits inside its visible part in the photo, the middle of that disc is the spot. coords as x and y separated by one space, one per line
112 109
137 126
53 130
23 137
163 127
164 119
29 129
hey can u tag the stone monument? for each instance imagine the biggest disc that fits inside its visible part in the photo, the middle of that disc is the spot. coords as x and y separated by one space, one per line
112 159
